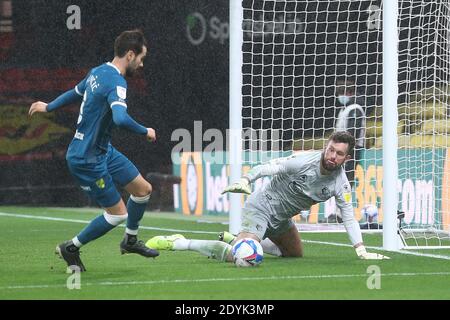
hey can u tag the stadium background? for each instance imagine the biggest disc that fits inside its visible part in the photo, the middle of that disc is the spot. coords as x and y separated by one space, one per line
41 58
185 78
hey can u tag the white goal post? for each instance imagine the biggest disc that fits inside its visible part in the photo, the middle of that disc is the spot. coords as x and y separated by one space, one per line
296 65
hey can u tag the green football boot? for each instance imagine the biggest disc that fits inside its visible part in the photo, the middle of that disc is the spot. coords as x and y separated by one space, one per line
163 242
227 237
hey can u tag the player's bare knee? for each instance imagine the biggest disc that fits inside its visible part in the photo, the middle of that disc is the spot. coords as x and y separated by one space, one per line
296 253
293 255
243 235
144 190
148 188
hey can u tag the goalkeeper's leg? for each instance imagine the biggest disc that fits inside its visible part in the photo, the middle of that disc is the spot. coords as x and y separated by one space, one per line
283 239
211 248
288 242
268 246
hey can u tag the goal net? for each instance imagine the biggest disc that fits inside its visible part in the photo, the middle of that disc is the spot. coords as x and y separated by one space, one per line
311 67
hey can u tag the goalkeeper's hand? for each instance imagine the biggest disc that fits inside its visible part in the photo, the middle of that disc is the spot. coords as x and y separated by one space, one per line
363 254
243 186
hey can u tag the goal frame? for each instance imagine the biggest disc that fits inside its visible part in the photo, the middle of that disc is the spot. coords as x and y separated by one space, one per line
392 239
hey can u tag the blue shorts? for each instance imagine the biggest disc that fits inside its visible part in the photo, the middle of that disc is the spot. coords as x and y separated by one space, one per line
98 179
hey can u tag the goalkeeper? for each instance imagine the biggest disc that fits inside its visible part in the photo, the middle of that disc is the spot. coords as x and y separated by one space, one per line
298 182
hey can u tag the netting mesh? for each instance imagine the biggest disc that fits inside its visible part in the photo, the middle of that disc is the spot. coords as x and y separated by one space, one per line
304 62
423 120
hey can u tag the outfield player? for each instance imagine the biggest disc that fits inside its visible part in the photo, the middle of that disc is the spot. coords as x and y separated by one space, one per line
298 182
93 161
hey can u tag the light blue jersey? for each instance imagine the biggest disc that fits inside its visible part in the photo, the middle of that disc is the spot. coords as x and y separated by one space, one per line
102 89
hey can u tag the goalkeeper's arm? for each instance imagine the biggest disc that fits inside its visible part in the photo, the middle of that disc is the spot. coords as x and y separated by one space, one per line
363 254
243 186
354 232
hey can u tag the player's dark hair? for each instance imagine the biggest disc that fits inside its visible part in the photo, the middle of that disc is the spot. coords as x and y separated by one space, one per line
132 40
344 137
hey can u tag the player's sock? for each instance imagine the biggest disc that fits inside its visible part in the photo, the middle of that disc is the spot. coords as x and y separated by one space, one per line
211 248
74 245
270 247
136 208
130 238
98 227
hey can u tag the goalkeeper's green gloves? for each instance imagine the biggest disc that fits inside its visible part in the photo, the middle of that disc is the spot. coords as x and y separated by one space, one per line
363 254
243 186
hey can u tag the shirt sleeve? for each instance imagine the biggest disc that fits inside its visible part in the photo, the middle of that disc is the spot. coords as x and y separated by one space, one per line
117 94
69 97
344 203
80 88
66 98
277 166
263 170
122 119
117 100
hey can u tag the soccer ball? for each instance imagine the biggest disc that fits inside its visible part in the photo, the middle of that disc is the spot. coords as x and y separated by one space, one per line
370 212
247 253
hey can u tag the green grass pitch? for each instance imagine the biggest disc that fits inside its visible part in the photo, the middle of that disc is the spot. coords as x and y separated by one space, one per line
30 269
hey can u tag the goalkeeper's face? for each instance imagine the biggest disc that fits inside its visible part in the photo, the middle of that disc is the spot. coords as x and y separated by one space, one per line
334 155
135 62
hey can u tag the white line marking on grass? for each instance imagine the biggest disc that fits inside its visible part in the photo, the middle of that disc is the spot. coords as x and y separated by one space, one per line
271 278
26 216
413 253
419 254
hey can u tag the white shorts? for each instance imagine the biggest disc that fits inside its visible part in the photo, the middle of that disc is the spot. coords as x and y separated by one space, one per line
260 218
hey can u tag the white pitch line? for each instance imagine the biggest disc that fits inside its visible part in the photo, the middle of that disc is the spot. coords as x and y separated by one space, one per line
419 254
26 216
271 278
412 253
